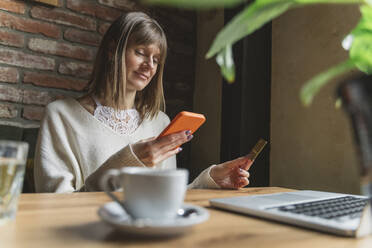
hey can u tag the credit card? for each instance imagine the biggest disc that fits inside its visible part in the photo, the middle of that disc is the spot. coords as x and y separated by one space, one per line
258 148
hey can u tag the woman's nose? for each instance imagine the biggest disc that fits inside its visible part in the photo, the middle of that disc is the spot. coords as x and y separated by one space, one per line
150 62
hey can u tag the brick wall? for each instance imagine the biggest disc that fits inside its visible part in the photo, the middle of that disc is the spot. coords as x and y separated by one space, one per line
47 53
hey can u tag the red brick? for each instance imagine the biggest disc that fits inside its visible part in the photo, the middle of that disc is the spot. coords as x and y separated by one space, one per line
120 4
63 17
11 94
59 97
9 38
9 74
8 110
61 49
29 25
37 97
76 69
103 28
84 37
93 9
47 80
13 6
33 113
22 59
52 3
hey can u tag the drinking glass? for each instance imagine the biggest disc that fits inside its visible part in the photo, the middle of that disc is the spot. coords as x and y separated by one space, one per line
13 156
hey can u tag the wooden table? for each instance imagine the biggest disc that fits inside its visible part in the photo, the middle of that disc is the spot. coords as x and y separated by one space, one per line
71 220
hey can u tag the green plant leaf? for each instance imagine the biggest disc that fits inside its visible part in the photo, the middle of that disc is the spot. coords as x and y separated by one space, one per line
361 52
202 4
246 22
338 103
365 22
361 47
366 11
330 1
258 14
196 4
311 87
226 62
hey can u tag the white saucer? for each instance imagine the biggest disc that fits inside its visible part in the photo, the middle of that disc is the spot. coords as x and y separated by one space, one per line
115 215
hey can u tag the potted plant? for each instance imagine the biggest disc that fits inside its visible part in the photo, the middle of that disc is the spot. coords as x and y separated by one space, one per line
259 12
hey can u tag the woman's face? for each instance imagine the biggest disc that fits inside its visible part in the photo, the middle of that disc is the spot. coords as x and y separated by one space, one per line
141 65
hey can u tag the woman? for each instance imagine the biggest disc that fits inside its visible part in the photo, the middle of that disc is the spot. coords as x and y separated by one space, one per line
117 122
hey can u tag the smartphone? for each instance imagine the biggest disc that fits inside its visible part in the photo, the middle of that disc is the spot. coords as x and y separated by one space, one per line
258 147
184 121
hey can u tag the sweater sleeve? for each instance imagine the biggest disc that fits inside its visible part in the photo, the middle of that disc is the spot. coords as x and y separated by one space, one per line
123 158
55 168
204 181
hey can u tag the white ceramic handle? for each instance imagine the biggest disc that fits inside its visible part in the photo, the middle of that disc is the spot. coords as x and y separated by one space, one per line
110 175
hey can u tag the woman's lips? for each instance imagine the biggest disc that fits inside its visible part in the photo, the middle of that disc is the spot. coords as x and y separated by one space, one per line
141 75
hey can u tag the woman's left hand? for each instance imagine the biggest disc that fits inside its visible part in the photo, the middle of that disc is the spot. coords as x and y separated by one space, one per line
232 174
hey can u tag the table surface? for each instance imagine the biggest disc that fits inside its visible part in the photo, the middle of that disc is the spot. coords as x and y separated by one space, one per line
71 220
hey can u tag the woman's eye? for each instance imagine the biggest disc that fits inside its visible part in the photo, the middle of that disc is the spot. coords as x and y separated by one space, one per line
139 52
156 61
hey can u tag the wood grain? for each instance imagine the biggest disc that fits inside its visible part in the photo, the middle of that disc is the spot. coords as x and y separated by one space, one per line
71 220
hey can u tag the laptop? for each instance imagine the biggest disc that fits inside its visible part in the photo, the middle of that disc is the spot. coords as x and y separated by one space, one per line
341 214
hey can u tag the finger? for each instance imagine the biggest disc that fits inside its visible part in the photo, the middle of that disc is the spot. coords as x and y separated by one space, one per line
239 162
164 140
158 145
164 147
151 139
250 155
247 164
171 141
242 182
147 140
243 173
165 155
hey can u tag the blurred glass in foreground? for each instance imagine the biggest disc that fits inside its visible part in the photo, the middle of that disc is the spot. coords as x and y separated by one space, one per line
13 156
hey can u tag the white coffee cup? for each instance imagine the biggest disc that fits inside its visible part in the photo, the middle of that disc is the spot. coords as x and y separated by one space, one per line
148 193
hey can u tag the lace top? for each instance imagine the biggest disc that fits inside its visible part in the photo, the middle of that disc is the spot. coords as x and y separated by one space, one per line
124 122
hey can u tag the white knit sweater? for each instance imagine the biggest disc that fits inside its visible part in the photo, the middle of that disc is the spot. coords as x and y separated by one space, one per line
74 149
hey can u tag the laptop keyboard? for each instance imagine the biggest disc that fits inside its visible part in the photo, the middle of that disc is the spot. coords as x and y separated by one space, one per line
341 208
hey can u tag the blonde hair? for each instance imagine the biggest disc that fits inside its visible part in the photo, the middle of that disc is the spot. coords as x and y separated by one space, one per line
109 72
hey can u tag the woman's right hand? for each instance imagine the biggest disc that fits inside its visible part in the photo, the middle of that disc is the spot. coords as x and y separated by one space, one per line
156 149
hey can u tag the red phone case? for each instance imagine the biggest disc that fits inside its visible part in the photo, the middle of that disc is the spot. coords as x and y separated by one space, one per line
184 121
